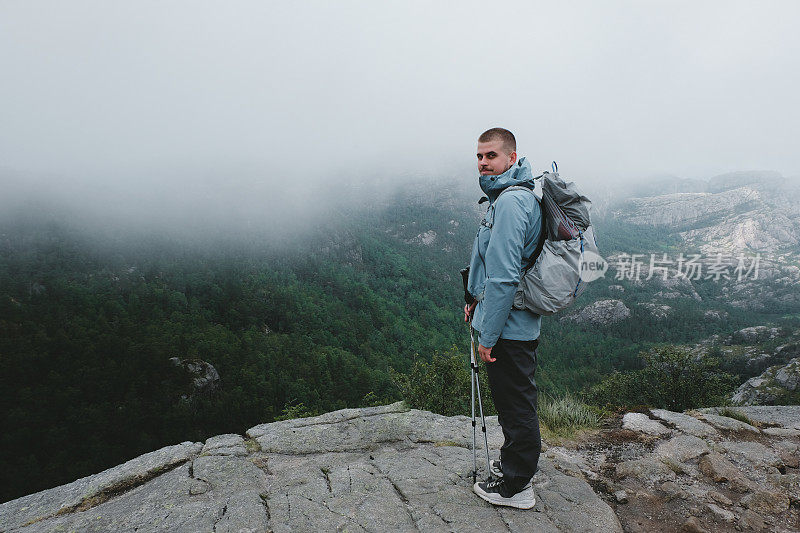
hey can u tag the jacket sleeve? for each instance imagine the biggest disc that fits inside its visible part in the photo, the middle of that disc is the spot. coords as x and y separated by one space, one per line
503 263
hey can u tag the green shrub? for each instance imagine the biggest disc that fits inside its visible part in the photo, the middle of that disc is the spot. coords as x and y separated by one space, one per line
442 384
298 410
371 399
672 378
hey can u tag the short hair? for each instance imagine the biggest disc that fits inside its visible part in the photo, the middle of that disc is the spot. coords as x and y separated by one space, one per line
502 135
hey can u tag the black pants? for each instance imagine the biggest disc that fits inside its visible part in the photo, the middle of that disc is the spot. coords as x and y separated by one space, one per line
511 380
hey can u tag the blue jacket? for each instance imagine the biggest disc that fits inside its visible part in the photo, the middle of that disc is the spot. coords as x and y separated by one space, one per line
508 235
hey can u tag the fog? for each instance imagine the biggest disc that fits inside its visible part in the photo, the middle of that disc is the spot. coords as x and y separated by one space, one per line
206 109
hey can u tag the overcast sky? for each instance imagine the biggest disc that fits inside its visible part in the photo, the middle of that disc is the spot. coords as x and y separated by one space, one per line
122 92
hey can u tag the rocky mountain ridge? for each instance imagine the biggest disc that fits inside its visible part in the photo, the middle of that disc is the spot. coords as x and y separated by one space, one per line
391 468
740 211
777 384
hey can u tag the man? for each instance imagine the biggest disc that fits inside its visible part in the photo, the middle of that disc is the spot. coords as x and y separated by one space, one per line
508 338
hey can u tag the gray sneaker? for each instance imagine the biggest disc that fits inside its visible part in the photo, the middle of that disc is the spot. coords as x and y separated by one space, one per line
495 492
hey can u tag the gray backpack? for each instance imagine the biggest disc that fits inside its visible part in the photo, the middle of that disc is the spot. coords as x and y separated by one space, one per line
552 280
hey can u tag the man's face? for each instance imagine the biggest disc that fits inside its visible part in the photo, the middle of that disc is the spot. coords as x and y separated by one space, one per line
493 159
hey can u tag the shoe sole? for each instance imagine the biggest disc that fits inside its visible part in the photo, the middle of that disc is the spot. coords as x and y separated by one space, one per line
507 503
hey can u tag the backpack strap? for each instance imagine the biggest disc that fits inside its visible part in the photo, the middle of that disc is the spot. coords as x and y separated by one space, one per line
542 234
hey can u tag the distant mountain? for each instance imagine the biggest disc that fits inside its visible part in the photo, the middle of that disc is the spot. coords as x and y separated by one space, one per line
737 212
667 184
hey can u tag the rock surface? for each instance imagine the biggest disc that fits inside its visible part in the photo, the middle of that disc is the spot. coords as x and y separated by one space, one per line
389 468
373 469
85 492
711 473
642 422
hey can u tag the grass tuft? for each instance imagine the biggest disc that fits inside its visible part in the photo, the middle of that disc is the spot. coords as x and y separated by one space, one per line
565 415
730 412
252 445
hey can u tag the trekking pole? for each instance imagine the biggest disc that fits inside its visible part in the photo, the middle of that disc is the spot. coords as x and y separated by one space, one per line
477 385
472 405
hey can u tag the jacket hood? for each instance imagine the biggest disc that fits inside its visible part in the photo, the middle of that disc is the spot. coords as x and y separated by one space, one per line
518 174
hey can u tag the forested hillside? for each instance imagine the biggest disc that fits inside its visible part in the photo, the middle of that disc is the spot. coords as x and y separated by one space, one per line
310 322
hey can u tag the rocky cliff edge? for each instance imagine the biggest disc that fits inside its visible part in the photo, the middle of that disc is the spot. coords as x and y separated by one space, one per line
389 468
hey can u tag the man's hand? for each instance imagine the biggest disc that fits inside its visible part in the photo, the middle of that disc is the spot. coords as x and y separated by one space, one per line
486 354
468 309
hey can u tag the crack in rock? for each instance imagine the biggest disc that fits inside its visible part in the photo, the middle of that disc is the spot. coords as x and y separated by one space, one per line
265 500
346 517
404 500
502 518
220 517
351 479
112 492
431 462
325 472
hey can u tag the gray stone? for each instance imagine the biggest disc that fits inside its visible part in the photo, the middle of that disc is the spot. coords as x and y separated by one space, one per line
231 502
721 514
347 431
229 444
781 432
162 504
786 446
727 423
682 448
751 520
673 490
646 469
621 496
570 463
786 416
753 453
788 484
720 469
719 498
788 376
766 502
685 423
693 525
85 491
644 424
